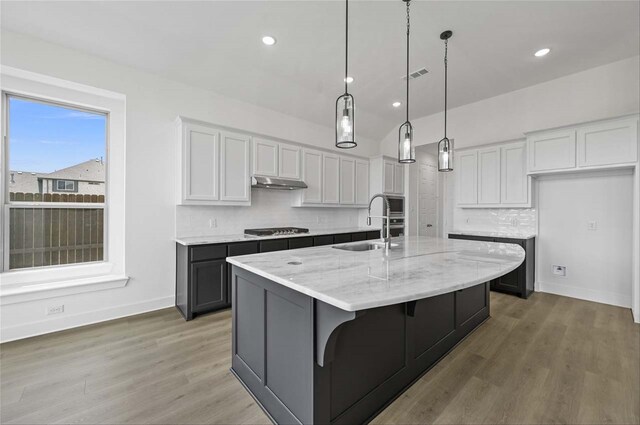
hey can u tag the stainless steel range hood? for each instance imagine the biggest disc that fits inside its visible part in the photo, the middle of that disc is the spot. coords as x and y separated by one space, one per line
277 183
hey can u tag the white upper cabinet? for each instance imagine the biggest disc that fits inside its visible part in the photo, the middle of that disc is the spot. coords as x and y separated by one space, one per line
330 179
362 182
289 162
514 186
554 150
215 165
398 179
235 175
467 177
200 149
312 176
608 143
489 176
347 181
388 172
265 157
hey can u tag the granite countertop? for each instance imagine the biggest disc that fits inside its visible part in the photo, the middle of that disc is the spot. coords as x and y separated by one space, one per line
203 240
515 234
419 267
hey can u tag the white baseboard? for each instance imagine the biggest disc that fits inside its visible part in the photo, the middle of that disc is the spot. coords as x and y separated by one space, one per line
604 297
53 325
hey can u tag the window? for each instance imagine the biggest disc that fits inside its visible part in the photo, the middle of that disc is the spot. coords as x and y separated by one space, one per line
55 154
66 185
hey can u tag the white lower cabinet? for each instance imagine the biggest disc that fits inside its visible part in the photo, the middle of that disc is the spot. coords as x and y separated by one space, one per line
330 179
347 181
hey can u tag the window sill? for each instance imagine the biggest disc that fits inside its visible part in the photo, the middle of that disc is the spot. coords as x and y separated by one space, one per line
18 293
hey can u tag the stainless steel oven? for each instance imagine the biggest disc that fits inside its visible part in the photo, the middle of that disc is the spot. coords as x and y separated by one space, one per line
396 227
396 203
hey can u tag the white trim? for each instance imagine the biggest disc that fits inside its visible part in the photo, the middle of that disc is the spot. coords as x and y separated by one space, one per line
12 294
595 295
71 321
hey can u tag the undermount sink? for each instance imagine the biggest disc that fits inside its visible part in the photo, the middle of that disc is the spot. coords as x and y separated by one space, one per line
363 246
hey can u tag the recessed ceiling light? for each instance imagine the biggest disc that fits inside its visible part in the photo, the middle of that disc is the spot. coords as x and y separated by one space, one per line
268 40
396 104
349 80
542 52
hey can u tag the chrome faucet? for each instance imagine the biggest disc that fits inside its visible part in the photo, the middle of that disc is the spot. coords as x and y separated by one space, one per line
387 238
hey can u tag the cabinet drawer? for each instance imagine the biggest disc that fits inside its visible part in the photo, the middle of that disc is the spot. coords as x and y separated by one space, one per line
373 234
359 236
208 252
274 245
323 240
295 243
342 238
243 248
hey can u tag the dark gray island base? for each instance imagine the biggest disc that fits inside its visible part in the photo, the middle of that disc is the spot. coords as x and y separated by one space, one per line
306 361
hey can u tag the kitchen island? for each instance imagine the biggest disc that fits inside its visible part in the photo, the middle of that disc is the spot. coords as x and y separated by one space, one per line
328 335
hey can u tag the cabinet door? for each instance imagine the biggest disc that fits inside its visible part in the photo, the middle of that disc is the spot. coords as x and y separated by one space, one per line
554 150
388 171
312 176
347 181
289 163
467 177
362 182
398 179
265 157
200 163
235 174
514 185
330 179
489 176
608 143
208 285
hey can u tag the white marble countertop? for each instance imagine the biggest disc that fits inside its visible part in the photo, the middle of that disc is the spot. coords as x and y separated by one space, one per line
203 240
515 234
419 267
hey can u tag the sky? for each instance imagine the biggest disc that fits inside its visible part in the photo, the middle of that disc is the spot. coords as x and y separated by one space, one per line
44 138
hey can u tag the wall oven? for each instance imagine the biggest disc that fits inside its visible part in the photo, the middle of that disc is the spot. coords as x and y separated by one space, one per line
396 203
396 220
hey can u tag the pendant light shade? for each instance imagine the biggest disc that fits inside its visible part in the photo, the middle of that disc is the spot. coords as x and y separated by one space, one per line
345 109
345 122
445 146
406 151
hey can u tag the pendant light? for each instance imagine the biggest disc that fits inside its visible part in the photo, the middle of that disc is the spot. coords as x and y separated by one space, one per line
445 146
345 130
406 152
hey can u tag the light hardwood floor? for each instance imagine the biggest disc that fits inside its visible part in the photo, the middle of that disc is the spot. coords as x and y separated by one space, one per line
548 359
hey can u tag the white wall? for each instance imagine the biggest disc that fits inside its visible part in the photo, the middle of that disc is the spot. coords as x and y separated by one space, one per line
153 103
602 92
598 262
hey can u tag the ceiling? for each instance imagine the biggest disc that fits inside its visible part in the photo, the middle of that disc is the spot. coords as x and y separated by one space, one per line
216 45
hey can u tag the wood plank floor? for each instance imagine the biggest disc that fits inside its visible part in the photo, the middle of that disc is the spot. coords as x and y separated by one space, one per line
548 359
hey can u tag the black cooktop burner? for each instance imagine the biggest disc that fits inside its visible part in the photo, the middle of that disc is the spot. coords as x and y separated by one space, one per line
275 231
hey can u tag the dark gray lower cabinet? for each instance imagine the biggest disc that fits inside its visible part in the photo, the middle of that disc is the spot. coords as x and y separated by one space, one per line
521 280
307 362
203 277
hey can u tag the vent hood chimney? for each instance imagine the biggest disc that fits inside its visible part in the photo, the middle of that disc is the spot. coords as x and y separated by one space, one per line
277 183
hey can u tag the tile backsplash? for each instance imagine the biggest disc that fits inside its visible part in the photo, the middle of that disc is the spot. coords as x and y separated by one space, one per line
269 208
496 220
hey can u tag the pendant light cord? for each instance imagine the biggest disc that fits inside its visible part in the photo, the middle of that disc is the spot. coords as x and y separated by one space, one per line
408 30
346 50
446 46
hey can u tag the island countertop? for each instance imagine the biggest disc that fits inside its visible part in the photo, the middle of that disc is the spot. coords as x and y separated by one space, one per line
419 267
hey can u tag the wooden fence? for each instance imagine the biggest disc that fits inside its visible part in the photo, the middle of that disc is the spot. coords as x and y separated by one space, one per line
52 235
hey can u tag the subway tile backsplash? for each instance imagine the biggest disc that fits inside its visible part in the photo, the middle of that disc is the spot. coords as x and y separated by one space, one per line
496 220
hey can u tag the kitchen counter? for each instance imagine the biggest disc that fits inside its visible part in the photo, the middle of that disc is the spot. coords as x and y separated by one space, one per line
418 267
513 234
327 336
204 240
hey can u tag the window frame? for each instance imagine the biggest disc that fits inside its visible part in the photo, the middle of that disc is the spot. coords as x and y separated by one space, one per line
20 285
7 204
58 181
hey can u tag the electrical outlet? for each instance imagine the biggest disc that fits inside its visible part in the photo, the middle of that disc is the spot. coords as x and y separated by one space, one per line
213 223
55 309
560 270
592 225
514 222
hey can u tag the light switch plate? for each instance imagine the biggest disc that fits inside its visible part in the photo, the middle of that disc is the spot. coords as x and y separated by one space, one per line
560 270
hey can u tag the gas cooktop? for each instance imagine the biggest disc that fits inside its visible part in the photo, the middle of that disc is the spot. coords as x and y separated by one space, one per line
275 231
